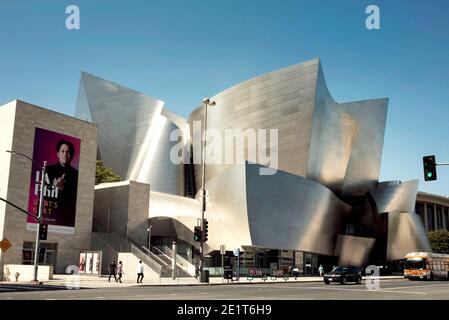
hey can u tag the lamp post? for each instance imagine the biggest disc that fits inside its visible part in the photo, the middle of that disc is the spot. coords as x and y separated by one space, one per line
41 208
149 237
207 102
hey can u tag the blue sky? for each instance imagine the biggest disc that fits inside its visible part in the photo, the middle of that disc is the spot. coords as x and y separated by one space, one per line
181 51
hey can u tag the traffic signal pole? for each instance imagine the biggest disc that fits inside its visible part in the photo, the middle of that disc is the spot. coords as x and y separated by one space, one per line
430 167
39 221
206 102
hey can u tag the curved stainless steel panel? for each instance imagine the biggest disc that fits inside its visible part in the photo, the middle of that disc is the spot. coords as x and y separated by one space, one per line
290 212
346 142
337 145
405 229
353 251
134 133
283 100
406 234
396 196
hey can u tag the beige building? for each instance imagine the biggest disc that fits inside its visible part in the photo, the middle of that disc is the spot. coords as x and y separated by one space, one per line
18 123
433 210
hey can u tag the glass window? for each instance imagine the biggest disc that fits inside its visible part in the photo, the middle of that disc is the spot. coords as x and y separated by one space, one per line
430 218
47 253
420 211
415 263
439 218
446 218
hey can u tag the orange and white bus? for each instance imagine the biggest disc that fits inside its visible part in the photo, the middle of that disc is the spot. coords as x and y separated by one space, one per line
426 265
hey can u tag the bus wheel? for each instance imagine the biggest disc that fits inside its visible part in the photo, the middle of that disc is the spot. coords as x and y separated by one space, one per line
431 278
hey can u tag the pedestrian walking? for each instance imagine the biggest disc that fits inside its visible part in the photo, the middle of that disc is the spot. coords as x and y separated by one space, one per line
197 270
295 272
140 272
113 271
120 271
321 271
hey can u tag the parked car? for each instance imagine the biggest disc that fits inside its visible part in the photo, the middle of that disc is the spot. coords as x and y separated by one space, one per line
344 275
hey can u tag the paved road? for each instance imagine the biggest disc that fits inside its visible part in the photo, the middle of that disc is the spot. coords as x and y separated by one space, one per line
390 289
6 288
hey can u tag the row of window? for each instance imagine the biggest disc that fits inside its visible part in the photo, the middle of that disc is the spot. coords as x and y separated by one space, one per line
442 216
439 266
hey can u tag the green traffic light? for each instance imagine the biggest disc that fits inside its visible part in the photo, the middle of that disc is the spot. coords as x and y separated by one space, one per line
429 174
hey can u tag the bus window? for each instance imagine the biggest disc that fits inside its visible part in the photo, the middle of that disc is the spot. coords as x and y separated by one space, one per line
415 264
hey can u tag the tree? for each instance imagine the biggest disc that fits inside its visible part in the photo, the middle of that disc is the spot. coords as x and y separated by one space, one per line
105 174
439 240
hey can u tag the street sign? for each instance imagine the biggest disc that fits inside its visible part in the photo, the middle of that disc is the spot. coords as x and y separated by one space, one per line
222 249
236 252
5 244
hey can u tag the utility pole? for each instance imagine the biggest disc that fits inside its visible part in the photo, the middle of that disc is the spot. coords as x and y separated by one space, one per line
39 221
41 208
206 102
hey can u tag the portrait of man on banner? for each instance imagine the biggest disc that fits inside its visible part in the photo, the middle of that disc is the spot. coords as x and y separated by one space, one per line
61 178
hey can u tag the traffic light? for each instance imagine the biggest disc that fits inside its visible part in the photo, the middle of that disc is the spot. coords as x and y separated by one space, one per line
206 227
430 169
197 234
43 228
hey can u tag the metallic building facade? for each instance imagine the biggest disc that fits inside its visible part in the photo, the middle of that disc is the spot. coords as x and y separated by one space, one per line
325 196
134 133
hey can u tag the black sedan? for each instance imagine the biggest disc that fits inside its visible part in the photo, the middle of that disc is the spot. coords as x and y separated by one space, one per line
343 275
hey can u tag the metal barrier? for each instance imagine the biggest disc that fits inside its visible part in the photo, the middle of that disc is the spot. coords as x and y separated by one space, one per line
167 272
153 264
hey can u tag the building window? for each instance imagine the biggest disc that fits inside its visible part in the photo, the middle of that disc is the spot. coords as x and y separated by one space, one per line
47 253
420 211
430 218
439 218
350 229
446 218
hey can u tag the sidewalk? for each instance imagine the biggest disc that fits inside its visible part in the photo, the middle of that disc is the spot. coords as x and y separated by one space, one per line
102 282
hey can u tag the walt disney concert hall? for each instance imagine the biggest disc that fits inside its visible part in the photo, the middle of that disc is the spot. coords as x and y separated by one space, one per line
323 203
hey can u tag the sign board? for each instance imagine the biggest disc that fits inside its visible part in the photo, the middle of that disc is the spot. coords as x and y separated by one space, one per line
236 252
222 249
5 244
255 272
60 182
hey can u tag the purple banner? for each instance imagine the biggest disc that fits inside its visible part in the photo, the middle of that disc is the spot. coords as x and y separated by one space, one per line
62 154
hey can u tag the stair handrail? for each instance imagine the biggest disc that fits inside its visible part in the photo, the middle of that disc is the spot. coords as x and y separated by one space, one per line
145 250
182 262
148 260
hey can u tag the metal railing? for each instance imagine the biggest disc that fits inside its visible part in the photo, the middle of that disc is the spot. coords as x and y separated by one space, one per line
146 259
123 244
167 272
154 256
181 262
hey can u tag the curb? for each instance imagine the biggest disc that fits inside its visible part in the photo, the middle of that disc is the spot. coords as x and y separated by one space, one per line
268 282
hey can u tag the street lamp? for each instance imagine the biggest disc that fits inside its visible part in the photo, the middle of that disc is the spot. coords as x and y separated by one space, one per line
149 237
41 207
207 102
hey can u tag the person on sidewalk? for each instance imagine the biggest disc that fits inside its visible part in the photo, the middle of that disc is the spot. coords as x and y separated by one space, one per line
321 271
295 272
120 271
113 271
140 272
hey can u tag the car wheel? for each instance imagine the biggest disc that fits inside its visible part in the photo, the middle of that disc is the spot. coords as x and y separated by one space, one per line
326 282
358 280
343 280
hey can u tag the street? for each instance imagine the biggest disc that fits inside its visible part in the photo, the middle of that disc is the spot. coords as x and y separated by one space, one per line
394 289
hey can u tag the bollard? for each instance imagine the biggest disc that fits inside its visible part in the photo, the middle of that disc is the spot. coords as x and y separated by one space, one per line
17 276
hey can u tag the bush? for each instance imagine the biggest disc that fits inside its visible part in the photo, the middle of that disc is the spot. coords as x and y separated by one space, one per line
439 240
